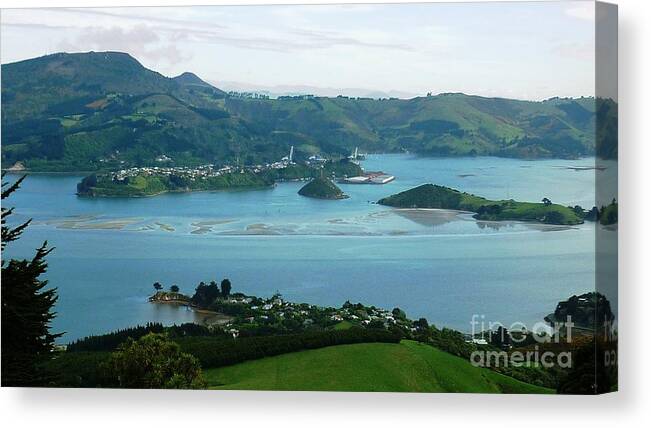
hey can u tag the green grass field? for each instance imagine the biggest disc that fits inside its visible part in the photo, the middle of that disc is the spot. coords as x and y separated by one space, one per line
405 367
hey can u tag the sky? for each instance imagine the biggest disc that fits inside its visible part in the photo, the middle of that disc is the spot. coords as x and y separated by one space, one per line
522 50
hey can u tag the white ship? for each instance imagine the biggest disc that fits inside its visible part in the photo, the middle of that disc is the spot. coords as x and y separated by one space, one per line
371 177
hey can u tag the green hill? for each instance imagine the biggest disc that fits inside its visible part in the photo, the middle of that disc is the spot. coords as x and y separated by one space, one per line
102 110
405 367
441 197
322 188
191 79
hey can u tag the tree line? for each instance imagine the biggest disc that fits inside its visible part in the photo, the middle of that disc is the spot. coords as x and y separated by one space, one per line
217 352
111 341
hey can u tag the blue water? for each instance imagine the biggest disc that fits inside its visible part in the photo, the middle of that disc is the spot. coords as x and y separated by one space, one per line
444 267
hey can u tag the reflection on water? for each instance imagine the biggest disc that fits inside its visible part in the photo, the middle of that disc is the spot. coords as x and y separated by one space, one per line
429 217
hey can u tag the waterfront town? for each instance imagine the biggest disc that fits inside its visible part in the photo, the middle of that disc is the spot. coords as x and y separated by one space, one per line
203 172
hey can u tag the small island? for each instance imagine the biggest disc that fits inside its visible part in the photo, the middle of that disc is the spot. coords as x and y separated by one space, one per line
322 188
441 197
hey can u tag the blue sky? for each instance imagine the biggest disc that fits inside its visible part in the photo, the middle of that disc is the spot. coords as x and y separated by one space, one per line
525 50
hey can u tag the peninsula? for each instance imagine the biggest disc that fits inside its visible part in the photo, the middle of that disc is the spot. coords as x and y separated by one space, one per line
151 181
262 333
440 197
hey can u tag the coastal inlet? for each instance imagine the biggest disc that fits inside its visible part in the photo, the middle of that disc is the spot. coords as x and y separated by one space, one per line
438 264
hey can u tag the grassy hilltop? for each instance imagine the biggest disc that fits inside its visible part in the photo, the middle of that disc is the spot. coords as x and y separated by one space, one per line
433 196
104 110
405 367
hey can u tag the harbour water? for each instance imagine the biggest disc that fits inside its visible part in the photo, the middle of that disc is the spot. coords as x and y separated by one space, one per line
443 266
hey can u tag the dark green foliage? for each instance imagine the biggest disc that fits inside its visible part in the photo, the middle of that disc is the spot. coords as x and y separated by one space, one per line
607 128
489 211
86 184
110 341
322 188
27 308
226 287
589 373
450 341
500 338
78 370
399 314
421 324
425 196
608 214
206 294
590 310
540 376
553 217
592 215
153 362
174 288
218 352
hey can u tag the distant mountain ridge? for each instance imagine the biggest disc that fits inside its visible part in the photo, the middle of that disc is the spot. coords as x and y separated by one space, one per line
275 91
102 110
190 79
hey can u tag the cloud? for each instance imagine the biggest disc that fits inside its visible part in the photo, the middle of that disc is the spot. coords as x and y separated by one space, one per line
140 41
133 32
326 39
149 18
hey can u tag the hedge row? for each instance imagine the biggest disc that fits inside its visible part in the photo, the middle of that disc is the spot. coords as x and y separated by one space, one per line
217 352
110 341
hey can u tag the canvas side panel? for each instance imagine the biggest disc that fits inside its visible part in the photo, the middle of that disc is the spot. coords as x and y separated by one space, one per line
606 135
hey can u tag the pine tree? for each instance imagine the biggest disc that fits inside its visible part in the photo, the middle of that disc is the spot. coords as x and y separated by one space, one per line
27 308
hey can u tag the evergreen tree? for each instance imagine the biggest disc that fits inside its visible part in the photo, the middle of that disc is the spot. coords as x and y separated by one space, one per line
27 308
226 287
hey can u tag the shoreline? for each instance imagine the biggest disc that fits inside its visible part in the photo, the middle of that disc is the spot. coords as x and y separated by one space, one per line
224 189
28 172
390 153
207 316
449 213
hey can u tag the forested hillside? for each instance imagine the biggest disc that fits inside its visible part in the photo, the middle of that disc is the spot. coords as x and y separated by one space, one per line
102 110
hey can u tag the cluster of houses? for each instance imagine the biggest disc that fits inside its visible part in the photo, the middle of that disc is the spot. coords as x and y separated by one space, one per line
248 95
208 170
198 172
277 311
